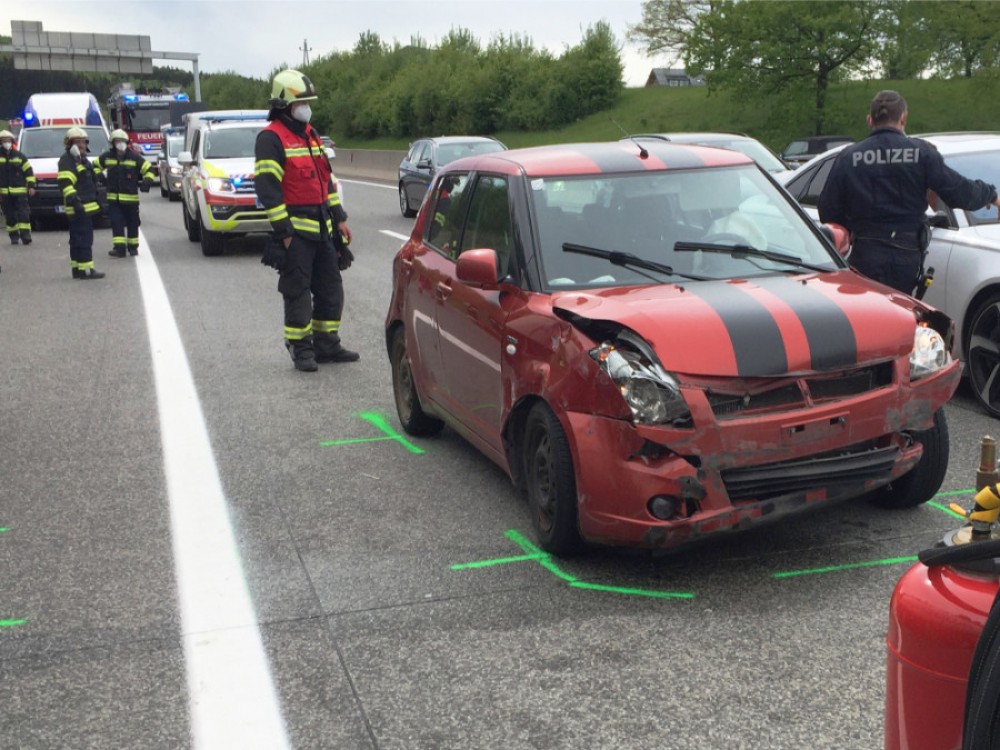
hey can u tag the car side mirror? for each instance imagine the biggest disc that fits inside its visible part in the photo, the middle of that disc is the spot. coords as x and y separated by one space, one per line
424 164
478 268
330 153
185 158
939 220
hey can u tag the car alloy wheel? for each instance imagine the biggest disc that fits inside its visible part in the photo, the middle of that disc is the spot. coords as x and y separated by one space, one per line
550 482
404 203
982 354
411 414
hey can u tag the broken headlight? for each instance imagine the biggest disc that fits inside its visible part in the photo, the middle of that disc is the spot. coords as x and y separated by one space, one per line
929 352
652 394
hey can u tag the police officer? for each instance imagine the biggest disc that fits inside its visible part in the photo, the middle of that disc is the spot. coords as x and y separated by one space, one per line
127 172
78 183
17 184
877 189
294 182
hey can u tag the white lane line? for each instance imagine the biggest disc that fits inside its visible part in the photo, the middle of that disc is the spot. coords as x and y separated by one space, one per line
369 184
397 235
231 696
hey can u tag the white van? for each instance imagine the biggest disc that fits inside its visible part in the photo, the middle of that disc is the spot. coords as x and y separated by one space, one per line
63 110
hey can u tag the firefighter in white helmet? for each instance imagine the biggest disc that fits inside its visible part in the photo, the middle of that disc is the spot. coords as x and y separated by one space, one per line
78 182
127 172
17 184
294 182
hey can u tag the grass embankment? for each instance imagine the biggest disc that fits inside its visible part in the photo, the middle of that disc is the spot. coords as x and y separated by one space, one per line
935 106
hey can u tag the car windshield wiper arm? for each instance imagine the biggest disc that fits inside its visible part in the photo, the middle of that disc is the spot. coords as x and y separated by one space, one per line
618 258
742 251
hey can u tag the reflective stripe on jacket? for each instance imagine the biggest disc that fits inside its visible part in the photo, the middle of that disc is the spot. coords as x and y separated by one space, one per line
16 175
124 174
78 181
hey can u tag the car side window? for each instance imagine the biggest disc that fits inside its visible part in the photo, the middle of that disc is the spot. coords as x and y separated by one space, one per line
489 223
195 140
806 188
415 151
445 225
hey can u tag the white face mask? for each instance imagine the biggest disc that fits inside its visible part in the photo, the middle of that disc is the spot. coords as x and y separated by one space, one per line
75 150
8 145
302 112
119 147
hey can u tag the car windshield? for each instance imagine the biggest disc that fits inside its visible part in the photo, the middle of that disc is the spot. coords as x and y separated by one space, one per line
232 143
47 143
756 151
148 118
175 144
646 214
449 152
984 166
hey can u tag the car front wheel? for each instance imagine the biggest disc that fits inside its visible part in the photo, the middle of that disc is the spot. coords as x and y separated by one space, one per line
404 203
414 419
191 226
922 483
550 481
982 354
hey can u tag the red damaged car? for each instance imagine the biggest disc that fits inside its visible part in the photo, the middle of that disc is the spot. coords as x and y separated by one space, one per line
657 345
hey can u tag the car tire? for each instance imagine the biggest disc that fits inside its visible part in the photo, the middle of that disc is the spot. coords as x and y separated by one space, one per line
173 197
550 482
982 354
922 483
404 203
212 243
164 193
411 414
192 227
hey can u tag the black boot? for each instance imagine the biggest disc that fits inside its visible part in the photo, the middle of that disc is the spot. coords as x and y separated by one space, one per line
118 252
14 239
329 349
91 274
302 354
26 240
78 274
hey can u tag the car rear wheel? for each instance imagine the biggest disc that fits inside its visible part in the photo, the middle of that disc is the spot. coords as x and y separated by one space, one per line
550 482
414 419
982 354
923 482
191 226
404 203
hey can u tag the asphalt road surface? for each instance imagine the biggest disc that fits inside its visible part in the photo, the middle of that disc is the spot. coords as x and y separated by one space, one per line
202 547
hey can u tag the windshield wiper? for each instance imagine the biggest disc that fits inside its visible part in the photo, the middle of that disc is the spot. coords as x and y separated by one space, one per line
743 251
617 258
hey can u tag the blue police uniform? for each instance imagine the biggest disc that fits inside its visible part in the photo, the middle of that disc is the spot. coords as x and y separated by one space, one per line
877 189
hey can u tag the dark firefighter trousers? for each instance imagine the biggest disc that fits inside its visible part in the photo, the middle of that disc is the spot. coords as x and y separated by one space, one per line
17 216
313 292
81 241
124 226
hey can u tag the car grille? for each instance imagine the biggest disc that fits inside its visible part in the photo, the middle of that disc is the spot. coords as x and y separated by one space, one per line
246 186
856 465
816 389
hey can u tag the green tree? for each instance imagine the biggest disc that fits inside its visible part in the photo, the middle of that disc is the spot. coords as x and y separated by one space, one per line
907 39
666 25
967 34
783 46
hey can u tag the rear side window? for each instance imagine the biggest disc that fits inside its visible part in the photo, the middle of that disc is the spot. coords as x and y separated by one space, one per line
806 188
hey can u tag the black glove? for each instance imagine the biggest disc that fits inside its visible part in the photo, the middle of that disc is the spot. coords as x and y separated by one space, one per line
144 186
78 207
344 257
275 255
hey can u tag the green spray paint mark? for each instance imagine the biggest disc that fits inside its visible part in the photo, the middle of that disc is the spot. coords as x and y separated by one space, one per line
379 422
11 623
2 530
945 509
544 559
848 566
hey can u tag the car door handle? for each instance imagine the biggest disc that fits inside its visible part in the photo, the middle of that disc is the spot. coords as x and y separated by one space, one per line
443 290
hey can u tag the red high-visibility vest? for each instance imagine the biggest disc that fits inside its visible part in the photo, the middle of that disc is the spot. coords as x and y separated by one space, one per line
306 180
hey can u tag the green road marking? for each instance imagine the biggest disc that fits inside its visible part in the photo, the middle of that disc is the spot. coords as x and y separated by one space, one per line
945 509
848 566
379 422
545 560
11 623
631 592
2 530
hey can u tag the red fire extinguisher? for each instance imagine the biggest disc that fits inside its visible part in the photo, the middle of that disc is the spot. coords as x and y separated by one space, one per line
943 661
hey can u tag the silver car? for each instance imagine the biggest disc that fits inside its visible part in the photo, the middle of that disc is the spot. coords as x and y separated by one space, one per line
964 253
170 168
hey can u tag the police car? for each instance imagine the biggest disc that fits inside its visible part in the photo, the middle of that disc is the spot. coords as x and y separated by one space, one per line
217 188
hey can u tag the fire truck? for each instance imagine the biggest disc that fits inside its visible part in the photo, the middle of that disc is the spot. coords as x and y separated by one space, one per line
142 114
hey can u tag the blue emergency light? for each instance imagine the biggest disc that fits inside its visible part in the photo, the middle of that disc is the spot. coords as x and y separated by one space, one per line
28 117
237 181
181 97
131 98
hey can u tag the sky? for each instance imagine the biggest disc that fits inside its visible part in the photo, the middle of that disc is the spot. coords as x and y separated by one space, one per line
252 37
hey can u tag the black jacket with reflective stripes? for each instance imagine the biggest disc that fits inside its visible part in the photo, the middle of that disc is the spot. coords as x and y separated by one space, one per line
879 185
125 172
